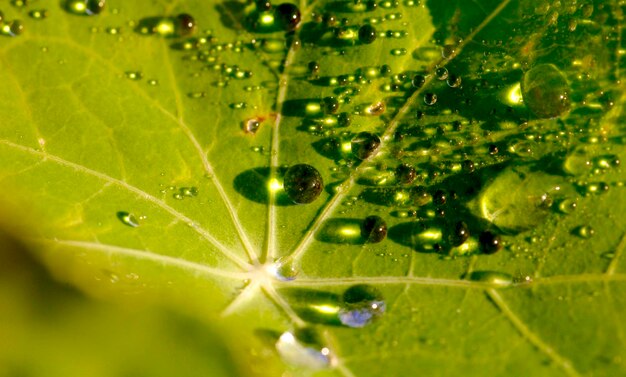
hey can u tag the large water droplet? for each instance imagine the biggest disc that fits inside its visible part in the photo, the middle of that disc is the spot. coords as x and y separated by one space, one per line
374 229
545 91
302 348
303 183
361 305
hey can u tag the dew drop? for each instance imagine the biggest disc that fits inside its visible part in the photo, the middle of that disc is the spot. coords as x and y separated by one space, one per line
185 25
418 81
405 174
85 7
490 242
365 145
367 34
545 91
441 73
134 75
13 28
362 304
302 348
288 16
376 109
374 229
460 233
251 126
303 183
128 219
584 231
430 99
38 14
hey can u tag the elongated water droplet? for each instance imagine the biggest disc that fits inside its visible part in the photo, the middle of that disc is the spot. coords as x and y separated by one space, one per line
302 348
361 305
85 7
128 219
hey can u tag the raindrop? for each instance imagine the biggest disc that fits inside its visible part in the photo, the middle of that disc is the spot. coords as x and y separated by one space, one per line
251 126
361 305
490 243
365 145
38 14
374 229
127 219
303 183
418 81
460 234
288 16
430 99
85 7
441 73
584 231
367 34
302 348
545 91
405 174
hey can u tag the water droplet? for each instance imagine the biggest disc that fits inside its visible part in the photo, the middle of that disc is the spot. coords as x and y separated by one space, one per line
283 271
460 233
303 183
374 229
545 91
38 14
185 25
85 7
454 81
584 231
405 174
13 28
490 242
430 99
448 51
128 219
361 305
493 278
303 349
418 81
441 73
365 145
288 16
376 109
314 67
134 75
398 51
330 105
251 126
367 34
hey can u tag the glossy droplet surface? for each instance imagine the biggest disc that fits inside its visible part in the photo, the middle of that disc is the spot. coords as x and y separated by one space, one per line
490 242
374 229
364 145
288 16
405 174
302 348
418 81
367 34
303 183
545 91
185 25
85 7
361 305
128 219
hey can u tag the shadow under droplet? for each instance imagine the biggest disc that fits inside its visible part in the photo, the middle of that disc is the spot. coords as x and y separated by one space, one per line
254 184
315 306
341 231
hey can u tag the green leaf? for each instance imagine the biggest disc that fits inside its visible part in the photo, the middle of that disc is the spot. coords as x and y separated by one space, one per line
143 165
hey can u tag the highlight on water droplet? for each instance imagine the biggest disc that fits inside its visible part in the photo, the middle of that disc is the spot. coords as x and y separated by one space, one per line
362 304
85 7
494 278
127 219
302 348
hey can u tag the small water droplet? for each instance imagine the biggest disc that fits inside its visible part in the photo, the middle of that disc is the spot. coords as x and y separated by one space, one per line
584 231
128 219
430 99
367 34
38 14
376 109
85 7
490 242
365 145
134 75
251 126
361 305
